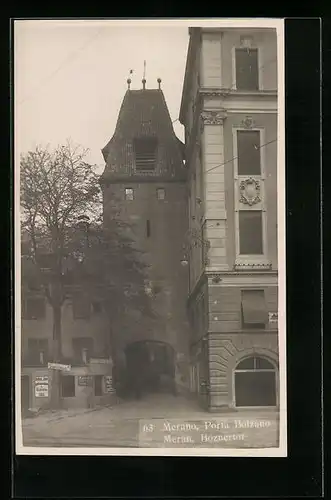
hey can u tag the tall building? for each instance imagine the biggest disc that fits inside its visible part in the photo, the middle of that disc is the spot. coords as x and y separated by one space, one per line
229 110
145 179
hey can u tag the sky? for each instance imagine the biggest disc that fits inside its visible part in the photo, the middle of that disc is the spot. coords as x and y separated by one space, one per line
70 77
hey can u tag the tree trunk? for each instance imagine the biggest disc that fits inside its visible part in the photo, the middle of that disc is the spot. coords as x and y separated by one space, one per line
55 399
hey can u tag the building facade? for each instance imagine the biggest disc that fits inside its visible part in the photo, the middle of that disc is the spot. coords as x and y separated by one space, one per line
86 374
145 177
229 111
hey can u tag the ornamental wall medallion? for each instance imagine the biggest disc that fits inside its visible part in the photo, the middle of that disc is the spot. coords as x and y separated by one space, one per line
248 122
246 41
250 192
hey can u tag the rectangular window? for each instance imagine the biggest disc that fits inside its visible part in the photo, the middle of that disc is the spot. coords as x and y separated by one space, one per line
129 194
97 307
253 309
68 386
46 261
250 232
160 194
34 308
81 306
98 385
248 152
148 228
38 351
145 153
247 71
83 349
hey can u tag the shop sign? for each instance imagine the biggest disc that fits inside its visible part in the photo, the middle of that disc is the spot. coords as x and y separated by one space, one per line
59 366
41 386
85 380
41 390
273 317
109 384
101 361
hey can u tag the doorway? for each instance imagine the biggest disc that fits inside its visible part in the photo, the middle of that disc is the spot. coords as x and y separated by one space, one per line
255 383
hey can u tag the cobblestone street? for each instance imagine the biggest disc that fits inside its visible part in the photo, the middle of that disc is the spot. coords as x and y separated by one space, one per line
175 422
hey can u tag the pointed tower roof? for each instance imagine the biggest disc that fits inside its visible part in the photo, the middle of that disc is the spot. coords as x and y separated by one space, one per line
144 115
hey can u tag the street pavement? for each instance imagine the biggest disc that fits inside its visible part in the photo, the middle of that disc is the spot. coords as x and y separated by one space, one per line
155 421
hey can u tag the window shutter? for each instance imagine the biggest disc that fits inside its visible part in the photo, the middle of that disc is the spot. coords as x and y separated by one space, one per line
145 153
254 307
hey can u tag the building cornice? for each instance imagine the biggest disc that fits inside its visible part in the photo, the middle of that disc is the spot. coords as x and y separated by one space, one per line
252 277
239 102
239 94
241 29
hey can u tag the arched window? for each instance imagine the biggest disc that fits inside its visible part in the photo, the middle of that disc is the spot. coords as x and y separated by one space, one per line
255 382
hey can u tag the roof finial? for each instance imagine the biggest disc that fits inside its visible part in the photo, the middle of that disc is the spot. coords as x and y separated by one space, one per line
129 79
144 76
159 82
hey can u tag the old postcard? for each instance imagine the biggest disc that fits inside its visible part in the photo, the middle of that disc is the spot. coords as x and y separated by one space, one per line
150 269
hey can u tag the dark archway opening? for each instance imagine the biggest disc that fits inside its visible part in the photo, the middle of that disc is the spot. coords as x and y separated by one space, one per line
255 383
150 368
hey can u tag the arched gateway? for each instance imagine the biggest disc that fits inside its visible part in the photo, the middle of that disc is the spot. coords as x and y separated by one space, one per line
150 367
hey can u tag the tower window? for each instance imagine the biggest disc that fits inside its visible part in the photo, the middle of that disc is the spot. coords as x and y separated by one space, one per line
129 194
145 153
148 228
160 194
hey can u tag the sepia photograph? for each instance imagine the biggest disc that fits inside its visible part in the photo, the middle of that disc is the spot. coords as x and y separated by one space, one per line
150 300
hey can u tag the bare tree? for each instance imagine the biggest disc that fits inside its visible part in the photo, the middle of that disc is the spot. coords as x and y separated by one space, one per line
59 194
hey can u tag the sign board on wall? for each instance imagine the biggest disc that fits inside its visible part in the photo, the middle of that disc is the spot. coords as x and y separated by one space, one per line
109 384
273 317
41 386
101 361
59 366
85 380
41 391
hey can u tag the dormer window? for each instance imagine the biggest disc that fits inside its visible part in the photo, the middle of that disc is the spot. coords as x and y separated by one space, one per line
145 153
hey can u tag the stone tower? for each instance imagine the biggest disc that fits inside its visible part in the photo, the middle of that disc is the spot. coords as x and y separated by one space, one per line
145 173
